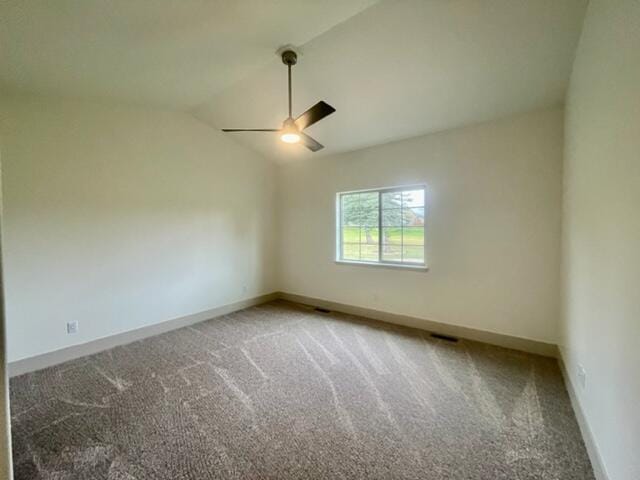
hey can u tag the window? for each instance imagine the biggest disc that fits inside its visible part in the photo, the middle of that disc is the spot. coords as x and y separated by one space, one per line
384 226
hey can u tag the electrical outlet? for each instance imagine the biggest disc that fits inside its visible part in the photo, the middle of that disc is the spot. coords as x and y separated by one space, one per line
72 327
582 376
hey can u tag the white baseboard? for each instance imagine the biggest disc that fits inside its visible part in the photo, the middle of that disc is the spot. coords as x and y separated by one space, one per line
597 463
507 341
49 359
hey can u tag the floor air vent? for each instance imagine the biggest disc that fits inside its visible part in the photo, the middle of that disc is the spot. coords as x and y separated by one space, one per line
322 310
446 338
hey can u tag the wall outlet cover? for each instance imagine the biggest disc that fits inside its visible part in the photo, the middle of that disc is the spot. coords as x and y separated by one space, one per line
72 327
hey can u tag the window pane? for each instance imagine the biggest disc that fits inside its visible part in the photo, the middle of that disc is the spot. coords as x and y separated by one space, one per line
369 217
413 198
350 209
413 236
369 235
369 253
369 209
350 234
369 200
392 200
392 253
413 254
392 218
350 251
413 217
392 235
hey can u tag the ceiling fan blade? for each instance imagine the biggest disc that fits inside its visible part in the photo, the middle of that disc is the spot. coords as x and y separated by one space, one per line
250 129
314 114
310 143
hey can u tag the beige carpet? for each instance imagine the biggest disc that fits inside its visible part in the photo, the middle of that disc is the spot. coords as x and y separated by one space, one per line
282 392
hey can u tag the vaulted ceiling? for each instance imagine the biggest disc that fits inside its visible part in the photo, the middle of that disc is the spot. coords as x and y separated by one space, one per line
392 69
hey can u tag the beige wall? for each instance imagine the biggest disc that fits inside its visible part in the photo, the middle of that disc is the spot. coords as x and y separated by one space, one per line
493 226
601 273
120 217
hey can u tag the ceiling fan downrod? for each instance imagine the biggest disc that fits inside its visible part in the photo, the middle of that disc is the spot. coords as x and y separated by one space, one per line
289 58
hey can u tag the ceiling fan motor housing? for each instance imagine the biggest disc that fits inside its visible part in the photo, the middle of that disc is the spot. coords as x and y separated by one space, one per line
289 123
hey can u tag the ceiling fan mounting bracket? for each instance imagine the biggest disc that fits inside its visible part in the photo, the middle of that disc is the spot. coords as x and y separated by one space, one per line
289 57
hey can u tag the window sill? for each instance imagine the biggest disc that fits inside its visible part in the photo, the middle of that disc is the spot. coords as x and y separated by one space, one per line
401 266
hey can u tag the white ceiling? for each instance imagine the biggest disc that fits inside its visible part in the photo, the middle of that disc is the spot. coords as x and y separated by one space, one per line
170 53
393 69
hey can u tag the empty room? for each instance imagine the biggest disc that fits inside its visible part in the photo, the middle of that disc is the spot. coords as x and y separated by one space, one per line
320 239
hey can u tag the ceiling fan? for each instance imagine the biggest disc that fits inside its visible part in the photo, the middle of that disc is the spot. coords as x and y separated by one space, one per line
292 129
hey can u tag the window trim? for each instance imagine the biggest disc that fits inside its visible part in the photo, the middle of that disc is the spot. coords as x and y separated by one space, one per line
339 243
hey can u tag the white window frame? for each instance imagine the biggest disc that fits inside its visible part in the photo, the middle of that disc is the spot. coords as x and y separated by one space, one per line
380 263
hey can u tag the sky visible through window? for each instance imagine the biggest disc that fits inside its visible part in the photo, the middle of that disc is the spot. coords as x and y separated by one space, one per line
382 226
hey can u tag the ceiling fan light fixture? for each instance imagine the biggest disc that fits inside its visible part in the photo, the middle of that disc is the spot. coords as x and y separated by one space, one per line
290 137
290 133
